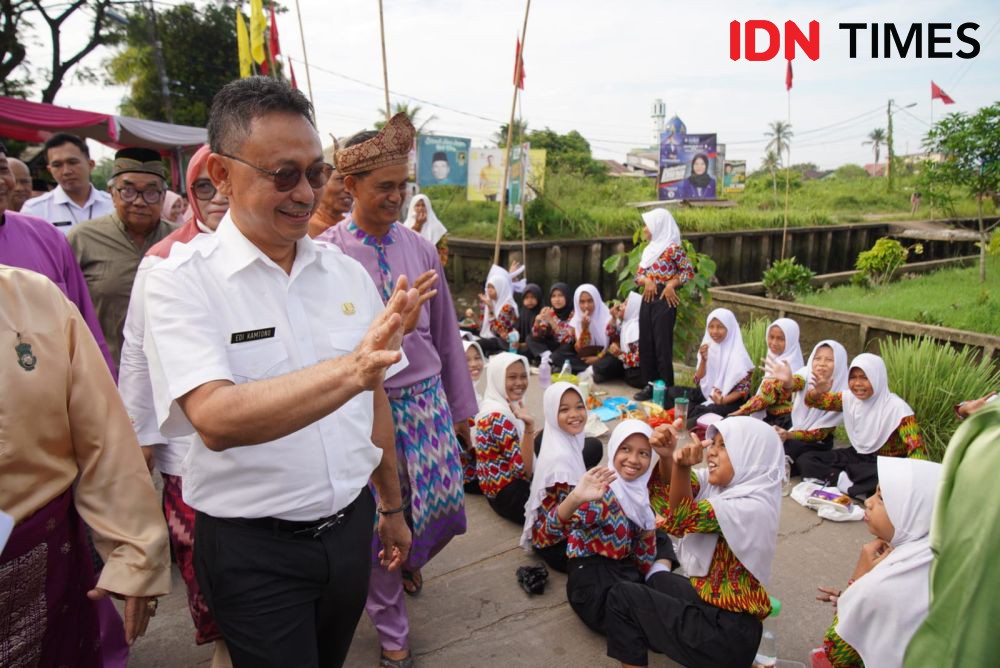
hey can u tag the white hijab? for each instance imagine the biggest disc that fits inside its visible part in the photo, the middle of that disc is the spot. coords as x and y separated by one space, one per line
500 279
598 319
806 418
633 495
560 459
466 344
433 228
792 354
748 507
728 362
630 321
870 423
495 398
663 233
881 611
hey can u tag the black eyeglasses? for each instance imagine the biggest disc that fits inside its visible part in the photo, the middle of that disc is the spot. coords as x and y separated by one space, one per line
150 196
286 178
204 190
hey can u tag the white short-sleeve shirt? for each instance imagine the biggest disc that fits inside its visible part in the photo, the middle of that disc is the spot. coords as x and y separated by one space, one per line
56 207
219 309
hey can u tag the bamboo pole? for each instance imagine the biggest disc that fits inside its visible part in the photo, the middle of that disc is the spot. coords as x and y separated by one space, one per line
305 56
385 63
788 164
510 133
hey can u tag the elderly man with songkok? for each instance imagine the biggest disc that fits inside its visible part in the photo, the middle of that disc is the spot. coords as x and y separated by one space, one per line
271 351
433 398
69 457
74 200
208 206
110 248
335 204
31 243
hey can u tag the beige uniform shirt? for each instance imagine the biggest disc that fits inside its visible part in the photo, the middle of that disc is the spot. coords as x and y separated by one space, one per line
60 419
109 261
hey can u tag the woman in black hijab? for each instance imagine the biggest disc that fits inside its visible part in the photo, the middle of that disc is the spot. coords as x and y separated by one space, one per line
527 311
550 325
700 184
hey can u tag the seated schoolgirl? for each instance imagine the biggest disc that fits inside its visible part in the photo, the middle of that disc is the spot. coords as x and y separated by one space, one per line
888 596
722 379
504 436
589 325
609 525
559 467
527 311
476 361
773 401
727 516
551 329
622 360
499 311
811 428
877 422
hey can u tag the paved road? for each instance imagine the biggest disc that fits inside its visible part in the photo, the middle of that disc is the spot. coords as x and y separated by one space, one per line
472 612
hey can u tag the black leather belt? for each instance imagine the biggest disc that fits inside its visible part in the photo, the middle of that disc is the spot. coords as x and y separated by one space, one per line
308 529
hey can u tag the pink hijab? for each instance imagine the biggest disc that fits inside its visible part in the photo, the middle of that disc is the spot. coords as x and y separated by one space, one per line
189 230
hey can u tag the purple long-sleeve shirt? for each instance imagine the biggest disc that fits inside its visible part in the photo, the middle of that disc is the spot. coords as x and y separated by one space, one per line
32 243
435 346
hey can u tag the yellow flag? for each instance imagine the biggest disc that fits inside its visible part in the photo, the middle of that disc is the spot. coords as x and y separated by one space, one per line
258 26
243 44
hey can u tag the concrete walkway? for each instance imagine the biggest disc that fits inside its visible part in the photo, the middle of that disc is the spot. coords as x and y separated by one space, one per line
473 613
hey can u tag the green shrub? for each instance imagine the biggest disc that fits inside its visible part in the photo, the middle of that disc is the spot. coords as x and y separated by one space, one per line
755 340
851 173
786 279
932 378
877 265
994 247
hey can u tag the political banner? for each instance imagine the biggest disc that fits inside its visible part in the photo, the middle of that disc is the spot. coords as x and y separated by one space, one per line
486 173
734 177
442 161
687 165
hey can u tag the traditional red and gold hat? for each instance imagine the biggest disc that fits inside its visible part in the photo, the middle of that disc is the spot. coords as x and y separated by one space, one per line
391 146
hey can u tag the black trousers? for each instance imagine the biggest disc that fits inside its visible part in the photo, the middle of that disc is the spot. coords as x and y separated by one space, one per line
285 599
666 615
783 421
696 409
656 341
591 578
593 449
538 346
861 469
795 448
492 345
509 501
610 367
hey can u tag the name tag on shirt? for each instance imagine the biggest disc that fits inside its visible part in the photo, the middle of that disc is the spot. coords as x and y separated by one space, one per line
252 335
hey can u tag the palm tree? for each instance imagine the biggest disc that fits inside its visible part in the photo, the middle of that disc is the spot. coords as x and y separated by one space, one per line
413 112
876 138
771 162
781 134
520 131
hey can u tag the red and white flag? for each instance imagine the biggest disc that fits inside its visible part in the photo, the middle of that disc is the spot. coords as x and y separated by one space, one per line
788 76
518 72
938 94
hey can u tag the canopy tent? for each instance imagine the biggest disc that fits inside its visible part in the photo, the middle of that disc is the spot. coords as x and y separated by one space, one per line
36 121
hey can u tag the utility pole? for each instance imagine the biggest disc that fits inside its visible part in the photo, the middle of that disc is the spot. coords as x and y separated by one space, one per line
888 143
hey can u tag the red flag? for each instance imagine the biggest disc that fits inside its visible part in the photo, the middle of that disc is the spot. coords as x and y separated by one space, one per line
518 80
272 38
788 76
938 94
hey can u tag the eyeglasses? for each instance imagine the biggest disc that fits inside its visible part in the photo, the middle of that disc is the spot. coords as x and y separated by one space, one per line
204 190
150 196
286 178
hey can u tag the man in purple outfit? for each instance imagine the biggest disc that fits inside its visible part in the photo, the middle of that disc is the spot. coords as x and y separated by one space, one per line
32 243
433 397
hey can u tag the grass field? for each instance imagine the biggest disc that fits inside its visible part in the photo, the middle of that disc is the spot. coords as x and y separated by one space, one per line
949 297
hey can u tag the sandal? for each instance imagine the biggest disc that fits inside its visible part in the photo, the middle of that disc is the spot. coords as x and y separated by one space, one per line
386 662
410 577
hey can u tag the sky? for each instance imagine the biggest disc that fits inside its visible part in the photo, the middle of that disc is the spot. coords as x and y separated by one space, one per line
596 67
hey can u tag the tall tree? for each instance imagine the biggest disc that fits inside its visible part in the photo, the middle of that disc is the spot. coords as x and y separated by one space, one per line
969 146
780 133
520 131
567 153
412 112
876 138
200 56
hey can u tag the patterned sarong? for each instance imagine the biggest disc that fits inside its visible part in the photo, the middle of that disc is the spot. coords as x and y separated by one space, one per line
180 523
430 471
46 618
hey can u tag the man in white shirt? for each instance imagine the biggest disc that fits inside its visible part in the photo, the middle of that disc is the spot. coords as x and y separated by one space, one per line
74 200
272 350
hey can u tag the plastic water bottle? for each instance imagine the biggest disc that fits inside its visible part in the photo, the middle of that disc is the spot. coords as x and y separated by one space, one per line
545 370
512 340
567 370
681 405
767 652
585 390
659 392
